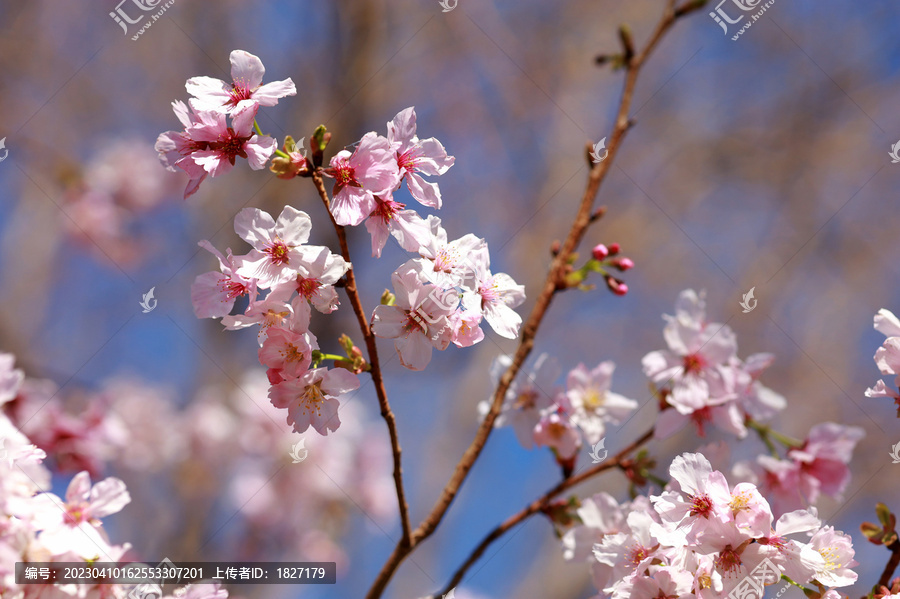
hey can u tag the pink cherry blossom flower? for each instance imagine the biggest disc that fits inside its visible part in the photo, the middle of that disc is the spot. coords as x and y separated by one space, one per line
176 148
451 264
277 245
600 515
527 397
626 552
271 312
247 74
693 364
824 459
213 293
593 403
313 399
556 431
74 525
797 560
418 320
289 352
414 156
467 329
358 177
226 143
495 296
390 218
317 273
837 550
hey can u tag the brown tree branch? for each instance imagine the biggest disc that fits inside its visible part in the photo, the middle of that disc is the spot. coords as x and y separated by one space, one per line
539 504
550 288
891 566
372 349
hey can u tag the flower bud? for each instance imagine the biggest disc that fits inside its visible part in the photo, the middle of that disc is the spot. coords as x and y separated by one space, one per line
624 264
614 249
600 251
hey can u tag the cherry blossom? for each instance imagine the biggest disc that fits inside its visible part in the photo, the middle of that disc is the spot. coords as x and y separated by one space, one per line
495 296
414 156
451 264
593 403
247 73
177 148
368 171
556 431
213 293
526 398
10 378
390 218
277 245
314 398
418 320
693 363
227 143
289 352
317 273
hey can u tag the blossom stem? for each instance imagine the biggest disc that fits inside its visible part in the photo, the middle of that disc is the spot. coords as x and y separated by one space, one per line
554 282
261 134
374 363
538 505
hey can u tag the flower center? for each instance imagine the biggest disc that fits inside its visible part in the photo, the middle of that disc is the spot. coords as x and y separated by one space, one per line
704 581
832 559
344 174
701 505
312 399
489 294
278 252
230 145
693 363
292 353
526 400
739 502
307 287
557 430
415 320
386 209
271 318
407 161
728 560
74 515
594 399
637 554
239 91
232 289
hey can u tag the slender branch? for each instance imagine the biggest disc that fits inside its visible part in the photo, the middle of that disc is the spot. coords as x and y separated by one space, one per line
377 379
891 566
551 287
539 504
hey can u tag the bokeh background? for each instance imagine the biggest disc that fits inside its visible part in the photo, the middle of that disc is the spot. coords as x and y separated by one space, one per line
761 162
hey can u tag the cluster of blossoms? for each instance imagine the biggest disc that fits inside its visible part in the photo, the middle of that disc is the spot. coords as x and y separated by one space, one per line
234 441
701 538
887 358
219 122
40 526
545 414
700 377
298 277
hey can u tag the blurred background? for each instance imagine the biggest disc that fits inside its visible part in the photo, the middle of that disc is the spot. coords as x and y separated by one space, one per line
761 162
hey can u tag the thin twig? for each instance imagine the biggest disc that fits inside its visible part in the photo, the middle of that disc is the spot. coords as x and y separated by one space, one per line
537 505
551 287
386 413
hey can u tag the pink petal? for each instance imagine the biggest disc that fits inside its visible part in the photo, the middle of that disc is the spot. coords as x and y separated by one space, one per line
246 69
